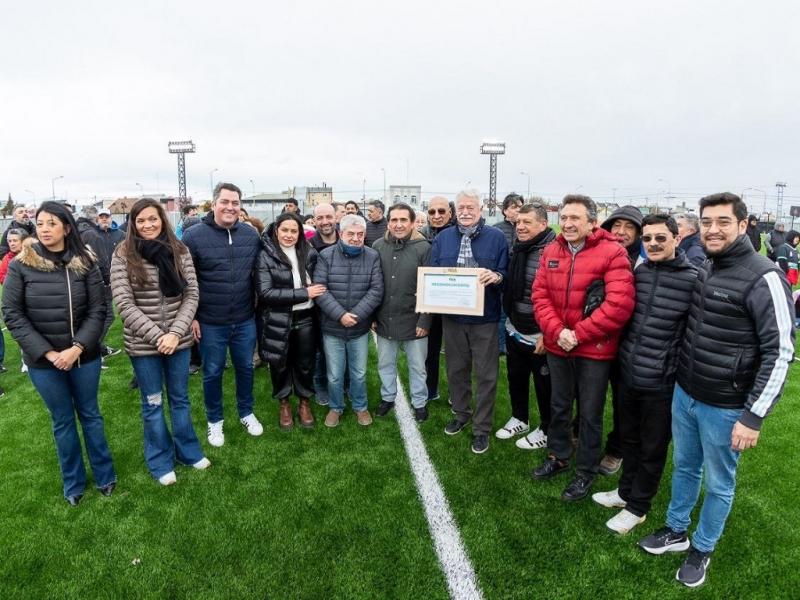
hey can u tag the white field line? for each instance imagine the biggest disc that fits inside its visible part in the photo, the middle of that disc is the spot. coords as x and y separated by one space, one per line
458 571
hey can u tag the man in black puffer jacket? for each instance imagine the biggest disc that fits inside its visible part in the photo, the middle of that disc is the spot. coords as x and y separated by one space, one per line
224 253
524 345
648 359
351 272
732 365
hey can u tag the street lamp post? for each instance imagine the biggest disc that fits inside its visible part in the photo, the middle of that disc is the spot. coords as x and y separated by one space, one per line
364 194
53 184
252 183
384 185
211 180
764 207
529 183
669 190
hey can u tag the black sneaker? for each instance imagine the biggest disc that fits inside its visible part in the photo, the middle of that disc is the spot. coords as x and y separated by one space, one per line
480 443
384 408
109 351
421 414
193 369
665 540
453 427
107 490
578 488
550 467
693 570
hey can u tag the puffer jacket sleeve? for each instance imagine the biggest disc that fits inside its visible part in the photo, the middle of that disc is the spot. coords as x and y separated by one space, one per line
270 295
425 320
134 318
620 299
4 267
88 334
191 295
543 307
326 302
367 306
20 327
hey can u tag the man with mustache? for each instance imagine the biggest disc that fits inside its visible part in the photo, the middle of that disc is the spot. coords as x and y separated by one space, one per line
732 366
648 359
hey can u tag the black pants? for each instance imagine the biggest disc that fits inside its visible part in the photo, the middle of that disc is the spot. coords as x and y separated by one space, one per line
434 352
645 421
297 372
521 364
587 380
614 438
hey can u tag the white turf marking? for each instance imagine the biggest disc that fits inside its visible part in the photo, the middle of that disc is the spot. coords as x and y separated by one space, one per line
458 571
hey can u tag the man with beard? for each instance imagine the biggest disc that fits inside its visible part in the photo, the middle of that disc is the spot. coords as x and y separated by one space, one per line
732 366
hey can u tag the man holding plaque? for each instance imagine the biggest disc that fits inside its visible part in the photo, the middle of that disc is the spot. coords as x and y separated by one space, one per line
583 296
472 340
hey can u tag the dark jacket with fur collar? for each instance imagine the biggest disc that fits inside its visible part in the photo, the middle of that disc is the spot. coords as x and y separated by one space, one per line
48 305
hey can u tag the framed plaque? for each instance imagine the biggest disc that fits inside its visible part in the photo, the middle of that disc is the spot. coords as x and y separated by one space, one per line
449 291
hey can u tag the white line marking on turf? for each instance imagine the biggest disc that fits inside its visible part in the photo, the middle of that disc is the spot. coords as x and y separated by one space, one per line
461 579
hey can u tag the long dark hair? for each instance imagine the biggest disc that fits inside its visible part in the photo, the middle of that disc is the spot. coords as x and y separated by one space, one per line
301 246
129 248
73 243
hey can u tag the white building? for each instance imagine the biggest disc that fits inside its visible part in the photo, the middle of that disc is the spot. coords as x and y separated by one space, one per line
410 194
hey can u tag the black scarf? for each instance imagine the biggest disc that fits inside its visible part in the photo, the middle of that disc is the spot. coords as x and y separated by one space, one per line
157 252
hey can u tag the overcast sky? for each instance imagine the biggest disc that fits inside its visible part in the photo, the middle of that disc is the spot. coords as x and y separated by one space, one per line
688 97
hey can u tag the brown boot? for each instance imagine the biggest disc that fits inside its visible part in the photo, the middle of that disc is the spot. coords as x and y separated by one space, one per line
305 414
285 419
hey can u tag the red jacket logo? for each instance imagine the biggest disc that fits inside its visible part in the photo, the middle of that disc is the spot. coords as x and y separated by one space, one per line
552 264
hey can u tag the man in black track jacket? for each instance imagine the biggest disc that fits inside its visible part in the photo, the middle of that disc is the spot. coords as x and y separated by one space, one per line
732 365
648 359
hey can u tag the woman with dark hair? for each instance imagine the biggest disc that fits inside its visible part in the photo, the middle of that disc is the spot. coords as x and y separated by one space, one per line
287 326
753 233
155 289
54 306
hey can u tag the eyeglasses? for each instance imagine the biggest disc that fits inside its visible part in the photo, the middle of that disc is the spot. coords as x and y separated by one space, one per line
437 211
722 223
659 237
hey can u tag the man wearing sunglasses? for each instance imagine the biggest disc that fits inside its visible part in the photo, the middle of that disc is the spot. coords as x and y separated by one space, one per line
648 359
732 365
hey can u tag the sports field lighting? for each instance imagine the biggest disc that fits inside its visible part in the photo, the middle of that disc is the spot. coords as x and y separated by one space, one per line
493 148
181 149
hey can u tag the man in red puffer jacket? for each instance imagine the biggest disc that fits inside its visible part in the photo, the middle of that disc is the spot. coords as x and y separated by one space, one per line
583 296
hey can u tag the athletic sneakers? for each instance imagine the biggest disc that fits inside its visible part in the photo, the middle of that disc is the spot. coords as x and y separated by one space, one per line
453 427
665 540
535 440
109 351
202 464
610 499
252 425
550 467
624 521
610 464
421 414
693 570
480 443
513 427
384 408
168 478
216 437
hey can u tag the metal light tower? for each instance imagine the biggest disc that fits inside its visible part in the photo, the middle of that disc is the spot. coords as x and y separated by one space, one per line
181 149
779 211
492 148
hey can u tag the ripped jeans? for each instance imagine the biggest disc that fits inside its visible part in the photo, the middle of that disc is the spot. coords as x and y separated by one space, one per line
161 449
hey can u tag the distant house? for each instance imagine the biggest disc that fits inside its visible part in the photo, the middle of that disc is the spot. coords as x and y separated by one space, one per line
409 194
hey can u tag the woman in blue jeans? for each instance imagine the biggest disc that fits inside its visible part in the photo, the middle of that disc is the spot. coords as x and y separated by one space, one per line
54 307
155 289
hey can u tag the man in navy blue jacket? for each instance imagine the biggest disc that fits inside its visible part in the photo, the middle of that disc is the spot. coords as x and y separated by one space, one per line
473 340
224 253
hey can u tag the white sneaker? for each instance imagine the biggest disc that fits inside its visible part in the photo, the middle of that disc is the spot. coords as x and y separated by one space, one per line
168 478
512 428
533 441
201 464
624 521
252 425
23 368
215 435
609 499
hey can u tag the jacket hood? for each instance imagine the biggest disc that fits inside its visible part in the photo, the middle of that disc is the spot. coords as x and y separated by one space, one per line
32 255
629 213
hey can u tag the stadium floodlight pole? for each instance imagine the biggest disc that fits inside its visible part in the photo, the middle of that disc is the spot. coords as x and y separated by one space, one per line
779 208
529 183
53 185
493 148
181 149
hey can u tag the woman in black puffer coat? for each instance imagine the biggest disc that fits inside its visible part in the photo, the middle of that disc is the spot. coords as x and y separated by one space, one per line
287 324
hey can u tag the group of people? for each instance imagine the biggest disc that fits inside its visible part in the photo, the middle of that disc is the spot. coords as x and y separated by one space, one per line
690 326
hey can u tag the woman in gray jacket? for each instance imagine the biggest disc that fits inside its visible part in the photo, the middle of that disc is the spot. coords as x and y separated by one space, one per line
155 289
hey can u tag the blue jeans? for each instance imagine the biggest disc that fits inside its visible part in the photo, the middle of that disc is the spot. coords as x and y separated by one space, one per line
214 343
701 435
352 354
416 352
66 393
160 448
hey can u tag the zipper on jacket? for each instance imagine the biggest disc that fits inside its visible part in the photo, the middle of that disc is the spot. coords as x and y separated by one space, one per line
69 303
650 299
572 258
699 325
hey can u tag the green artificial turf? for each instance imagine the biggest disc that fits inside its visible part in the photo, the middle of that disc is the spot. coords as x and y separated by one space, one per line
335 513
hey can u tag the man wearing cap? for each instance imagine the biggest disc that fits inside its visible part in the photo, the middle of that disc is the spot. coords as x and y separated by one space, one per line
625 224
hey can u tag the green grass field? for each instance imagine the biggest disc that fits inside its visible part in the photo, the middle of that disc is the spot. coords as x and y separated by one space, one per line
335 513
